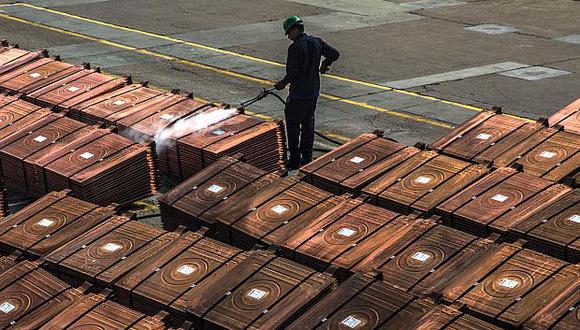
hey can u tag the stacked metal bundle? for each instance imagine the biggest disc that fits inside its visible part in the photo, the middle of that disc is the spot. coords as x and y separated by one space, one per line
162 281
554 228
355 164
49 223
107 252
499 201
193 202
261 143
423 182
12 57
37 74
94 311
262 292
4 208
515 288
344 235
30 296
16 115
44 151
568 118
76 88
270 210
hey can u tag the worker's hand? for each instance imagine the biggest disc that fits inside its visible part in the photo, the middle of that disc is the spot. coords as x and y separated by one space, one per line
324 69
279 85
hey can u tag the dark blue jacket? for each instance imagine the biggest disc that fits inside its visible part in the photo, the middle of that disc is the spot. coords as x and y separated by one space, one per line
302 65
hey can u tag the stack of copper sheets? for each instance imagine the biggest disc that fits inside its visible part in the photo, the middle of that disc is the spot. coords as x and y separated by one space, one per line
12 57
568 118
355 164
192 202
423 181
30 296
261 144
504 140
499 201
107 252
554 228
515 287
37 74
75 88
49 223
94 311
4 207
270 210
261 292
164 281
44 151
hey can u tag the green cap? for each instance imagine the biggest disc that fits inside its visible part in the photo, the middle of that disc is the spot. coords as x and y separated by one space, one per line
290 21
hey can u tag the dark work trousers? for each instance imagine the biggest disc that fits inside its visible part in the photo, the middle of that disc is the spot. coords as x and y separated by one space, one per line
299 115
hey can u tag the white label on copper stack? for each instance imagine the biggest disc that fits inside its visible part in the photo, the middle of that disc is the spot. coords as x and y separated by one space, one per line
346 232
119 102
575 218
87 155
500 198
423 179
257 294
357 160
483 136
279 209
214 188
167 116
6 307
507 283
34 75
45 223
420 256
40 138
218 132
111 247
185 270
351 322
547 154
73 89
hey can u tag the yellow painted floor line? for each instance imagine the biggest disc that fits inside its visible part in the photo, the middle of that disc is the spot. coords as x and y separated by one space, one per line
416 118
248 57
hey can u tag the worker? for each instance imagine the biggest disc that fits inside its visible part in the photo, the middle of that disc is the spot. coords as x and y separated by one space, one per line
303 69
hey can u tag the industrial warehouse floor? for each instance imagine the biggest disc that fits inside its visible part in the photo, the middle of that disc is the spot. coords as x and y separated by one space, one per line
411 68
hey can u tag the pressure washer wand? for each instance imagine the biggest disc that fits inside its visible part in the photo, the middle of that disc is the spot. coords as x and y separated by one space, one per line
270 91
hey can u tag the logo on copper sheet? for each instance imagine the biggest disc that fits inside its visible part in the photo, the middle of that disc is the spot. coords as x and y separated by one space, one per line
508 283
6 307
185 270
257 294
45 223
351 322
112 247
421 256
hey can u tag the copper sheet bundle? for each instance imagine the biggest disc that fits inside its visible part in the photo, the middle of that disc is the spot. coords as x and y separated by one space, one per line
12 57
4 207
515 287
365 302
568 118
37 74
16 115
75 88
191 203
6 262
107 252
50 222
353 165
162 282
499 201
450 317
261 144
271 209
423 181
344 235
116 105
262 292
50 152
31 297
554 228
95 311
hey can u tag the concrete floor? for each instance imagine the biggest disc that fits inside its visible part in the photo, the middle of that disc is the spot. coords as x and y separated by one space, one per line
431 48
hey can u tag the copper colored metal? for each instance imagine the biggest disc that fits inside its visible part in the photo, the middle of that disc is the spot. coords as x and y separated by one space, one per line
107 252
568 118
4 207
37 74
30 296
554 229
485 137
103 108
94 311
49 223
447 317
423 182
12 57
189 203
511 285
75 89
362 300
500 201
549 154
261 292
353 165
16 115
169 275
